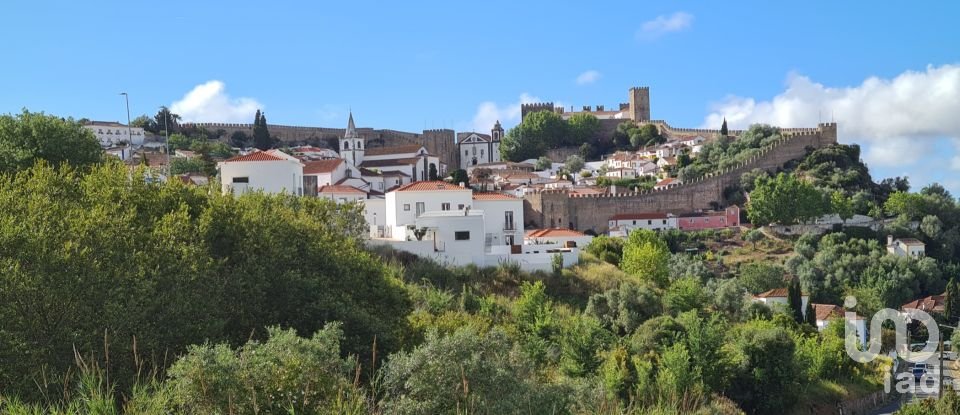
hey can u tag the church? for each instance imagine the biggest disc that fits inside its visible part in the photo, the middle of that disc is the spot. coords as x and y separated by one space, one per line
398 164
476 148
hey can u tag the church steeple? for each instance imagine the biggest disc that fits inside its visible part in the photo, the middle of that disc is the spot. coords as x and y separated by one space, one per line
352 144
351 128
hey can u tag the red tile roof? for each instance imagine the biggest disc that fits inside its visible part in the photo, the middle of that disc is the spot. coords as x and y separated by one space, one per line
404 149
554 233
492 196
430 186
638 216
334 188
389 162
932 303
665 182
256 156
321 166
776 293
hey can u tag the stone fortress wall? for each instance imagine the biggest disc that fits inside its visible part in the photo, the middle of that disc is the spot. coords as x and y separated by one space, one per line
439 141
557 208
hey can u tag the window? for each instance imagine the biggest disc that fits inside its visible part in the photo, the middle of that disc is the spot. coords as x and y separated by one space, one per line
461 235
406 207
342 200
241 180
706 220
649 222
444 206
664 221
466 152
420 209
346 145
508 220
481 153
634 222
460 206
359 145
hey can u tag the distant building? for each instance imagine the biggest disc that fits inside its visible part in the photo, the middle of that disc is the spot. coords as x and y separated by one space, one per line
908 247
270 171
779 297
113 133
825 313
729 217
341 194
627 222
476 149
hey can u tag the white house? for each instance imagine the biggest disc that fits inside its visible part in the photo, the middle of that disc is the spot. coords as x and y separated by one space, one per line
778 297
826 313
503 218
622 173
341 193
406 203
325 172
559 236
476 148
665 183
627 222
908 247
271 171
123 153
113 133
451 225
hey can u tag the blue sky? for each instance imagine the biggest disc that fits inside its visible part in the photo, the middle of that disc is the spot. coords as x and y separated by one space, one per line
889 75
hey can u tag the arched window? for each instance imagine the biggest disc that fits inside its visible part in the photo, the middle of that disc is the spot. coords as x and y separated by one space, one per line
346 145
359 145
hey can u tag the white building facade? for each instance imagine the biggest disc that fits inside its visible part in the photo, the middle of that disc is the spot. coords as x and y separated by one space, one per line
269 171
113 133
475 148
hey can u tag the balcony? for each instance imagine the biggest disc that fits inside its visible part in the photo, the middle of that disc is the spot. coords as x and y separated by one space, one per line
509 226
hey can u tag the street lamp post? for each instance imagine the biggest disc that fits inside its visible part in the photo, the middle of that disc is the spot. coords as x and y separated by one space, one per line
940 392
129 130
166 133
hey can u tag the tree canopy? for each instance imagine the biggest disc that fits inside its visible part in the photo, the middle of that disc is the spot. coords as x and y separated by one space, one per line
28 137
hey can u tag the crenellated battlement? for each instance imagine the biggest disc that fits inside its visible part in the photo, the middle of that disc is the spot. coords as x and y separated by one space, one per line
591 211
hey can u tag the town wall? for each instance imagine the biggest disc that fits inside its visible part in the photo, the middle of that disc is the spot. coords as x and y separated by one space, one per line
556 208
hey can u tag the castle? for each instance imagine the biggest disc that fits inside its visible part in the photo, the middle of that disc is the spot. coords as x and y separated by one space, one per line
636 109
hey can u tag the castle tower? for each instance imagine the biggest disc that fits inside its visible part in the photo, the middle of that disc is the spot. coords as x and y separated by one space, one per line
352 145
640 103
496 134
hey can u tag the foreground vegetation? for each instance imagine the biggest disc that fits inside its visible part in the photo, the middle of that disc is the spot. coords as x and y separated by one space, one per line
122 295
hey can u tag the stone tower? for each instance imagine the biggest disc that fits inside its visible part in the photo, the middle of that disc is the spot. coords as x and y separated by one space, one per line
640 103
496 134
352 144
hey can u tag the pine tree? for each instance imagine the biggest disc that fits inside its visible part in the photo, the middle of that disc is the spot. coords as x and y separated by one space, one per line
795 300
811 315
723 128
953 294
261 137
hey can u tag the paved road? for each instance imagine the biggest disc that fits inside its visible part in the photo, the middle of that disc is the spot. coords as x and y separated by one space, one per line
927 387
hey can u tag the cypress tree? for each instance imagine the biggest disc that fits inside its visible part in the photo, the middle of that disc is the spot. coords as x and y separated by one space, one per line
795 300
261 137
811 317
950 308
723 128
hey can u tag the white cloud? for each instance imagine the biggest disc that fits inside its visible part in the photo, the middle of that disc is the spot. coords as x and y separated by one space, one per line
588 77
899 119
209 102
489 112
664 24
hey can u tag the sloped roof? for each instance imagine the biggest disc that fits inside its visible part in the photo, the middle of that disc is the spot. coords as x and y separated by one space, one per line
321 166
335 188
665 182
463 136
911 241
774 293
493 196
932 303
430 186
256 156
404 149
389 162
554 233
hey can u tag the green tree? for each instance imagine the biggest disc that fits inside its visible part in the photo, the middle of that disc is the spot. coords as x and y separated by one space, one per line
466 372
283 374
764 373
573 164
784 200
460 176
181 165
795 300
841 205
723 127
240 139
537 132
166 119
622 309
543 163
606 248
758 277
753 236
261 136
145 122
910 205
647 257
583 128
29 137
432 174
685 294
952 306
810 315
